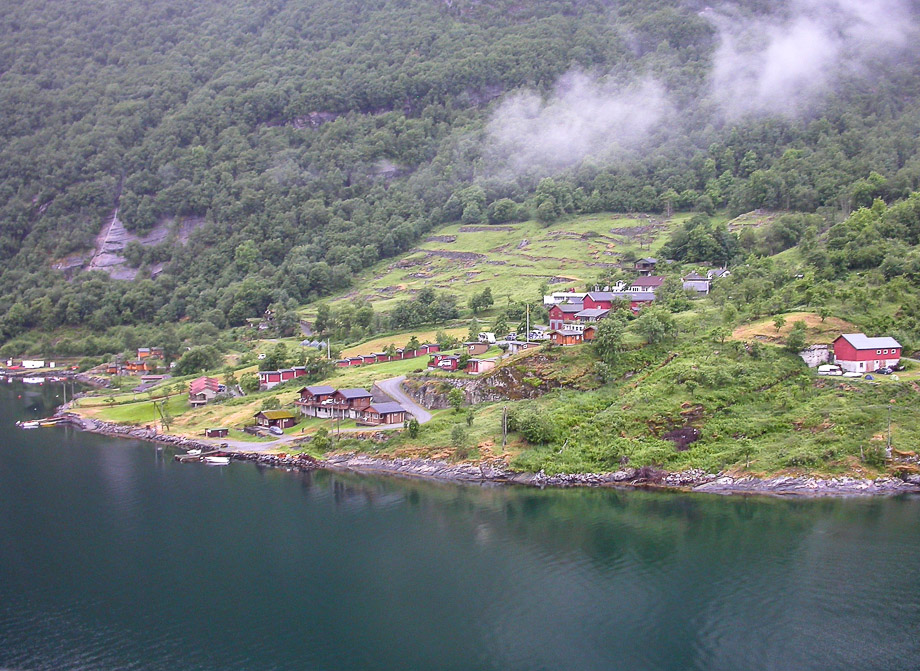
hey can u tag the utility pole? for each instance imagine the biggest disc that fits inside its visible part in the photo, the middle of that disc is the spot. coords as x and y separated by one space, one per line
527 335
889 430
504 426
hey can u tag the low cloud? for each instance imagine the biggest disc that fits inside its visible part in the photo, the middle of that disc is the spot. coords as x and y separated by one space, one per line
583 118
786 63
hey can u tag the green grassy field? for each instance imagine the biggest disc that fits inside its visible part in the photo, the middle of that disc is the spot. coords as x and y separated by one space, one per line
512 259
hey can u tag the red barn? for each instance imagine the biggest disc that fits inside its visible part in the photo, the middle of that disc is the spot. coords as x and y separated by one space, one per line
856 353
562 313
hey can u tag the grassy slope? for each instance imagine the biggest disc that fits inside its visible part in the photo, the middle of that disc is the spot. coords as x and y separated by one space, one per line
574 252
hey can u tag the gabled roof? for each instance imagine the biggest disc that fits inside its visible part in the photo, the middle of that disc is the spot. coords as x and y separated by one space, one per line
354 393
647 259
385 408
276 414
567 332
860 341
318 390
198 385
592 312
694 277
603 295
569 307
720 272
650 281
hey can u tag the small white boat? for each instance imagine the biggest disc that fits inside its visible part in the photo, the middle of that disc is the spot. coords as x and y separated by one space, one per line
218 461
33 380
193 453
28 425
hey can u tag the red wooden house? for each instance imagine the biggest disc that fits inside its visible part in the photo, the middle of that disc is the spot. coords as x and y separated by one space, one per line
856 353
443 361
562 313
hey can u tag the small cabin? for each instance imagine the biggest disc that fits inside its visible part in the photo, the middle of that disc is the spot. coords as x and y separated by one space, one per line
283 419
566 337
382 413
216 433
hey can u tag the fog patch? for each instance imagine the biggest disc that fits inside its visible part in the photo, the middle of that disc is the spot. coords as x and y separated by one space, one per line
785 64
584 117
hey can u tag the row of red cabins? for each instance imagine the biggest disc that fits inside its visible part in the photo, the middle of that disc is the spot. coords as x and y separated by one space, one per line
383 357
271 378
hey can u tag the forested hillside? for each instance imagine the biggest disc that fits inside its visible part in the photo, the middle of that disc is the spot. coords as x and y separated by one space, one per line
302 141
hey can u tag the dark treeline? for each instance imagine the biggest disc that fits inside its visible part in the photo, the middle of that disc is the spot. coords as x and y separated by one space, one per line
314 138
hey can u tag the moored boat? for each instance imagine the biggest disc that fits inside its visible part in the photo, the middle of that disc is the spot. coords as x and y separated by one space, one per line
193 453
218 461
28 424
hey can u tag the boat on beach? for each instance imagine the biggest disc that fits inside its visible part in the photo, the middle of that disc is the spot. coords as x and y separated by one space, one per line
193 453
217 461
28 424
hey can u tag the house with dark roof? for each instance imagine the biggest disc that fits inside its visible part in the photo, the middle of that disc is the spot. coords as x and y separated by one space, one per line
696 282
562 313
382 413
646 266
316 401
566 337
647 283
717 273
857 353
348 403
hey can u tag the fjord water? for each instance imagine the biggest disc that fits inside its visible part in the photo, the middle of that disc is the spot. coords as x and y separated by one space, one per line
113 556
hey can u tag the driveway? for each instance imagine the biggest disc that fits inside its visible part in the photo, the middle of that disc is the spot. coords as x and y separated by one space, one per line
393 388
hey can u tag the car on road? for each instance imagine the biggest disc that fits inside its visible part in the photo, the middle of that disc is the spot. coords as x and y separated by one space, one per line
276 430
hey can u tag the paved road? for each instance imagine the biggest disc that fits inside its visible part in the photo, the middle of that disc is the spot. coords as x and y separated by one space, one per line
393 388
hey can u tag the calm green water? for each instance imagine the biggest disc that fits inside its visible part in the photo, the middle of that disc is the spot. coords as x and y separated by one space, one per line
113 556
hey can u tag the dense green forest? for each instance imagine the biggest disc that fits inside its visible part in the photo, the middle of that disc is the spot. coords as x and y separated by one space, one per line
310 138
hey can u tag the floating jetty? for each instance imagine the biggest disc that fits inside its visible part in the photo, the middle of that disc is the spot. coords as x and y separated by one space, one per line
57 420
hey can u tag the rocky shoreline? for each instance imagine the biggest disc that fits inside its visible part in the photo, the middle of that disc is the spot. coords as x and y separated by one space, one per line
498 473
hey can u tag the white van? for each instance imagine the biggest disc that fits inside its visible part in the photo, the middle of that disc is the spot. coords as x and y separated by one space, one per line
487 337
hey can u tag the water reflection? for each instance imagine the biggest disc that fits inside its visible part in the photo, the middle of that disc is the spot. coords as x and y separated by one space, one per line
114 556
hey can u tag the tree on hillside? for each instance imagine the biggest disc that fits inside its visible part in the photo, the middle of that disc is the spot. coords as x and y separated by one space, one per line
198 360
481 300
656 325
413 344
779 321
797 339
500 327
472 335
609 337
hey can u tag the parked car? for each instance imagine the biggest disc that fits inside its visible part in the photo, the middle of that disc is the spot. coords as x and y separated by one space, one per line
511 336
884 371
276 430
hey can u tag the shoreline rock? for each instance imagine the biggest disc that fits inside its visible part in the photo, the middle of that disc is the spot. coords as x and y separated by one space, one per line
694 480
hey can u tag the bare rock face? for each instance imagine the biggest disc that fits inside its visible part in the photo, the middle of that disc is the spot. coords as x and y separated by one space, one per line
108 250
505 383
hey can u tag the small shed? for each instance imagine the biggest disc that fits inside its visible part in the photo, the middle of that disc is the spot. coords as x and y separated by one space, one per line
217 433
283 419
476 348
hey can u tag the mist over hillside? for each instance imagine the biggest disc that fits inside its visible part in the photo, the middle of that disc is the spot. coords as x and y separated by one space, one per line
272 150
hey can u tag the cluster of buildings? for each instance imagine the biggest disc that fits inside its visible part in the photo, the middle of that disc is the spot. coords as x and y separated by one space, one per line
358 404
148 360
382 357
572 311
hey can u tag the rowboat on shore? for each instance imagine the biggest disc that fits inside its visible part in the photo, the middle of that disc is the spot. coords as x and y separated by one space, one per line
217 461
193 453
28 424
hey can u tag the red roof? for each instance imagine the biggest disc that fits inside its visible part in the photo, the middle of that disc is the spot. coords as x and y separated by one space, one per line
198 385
